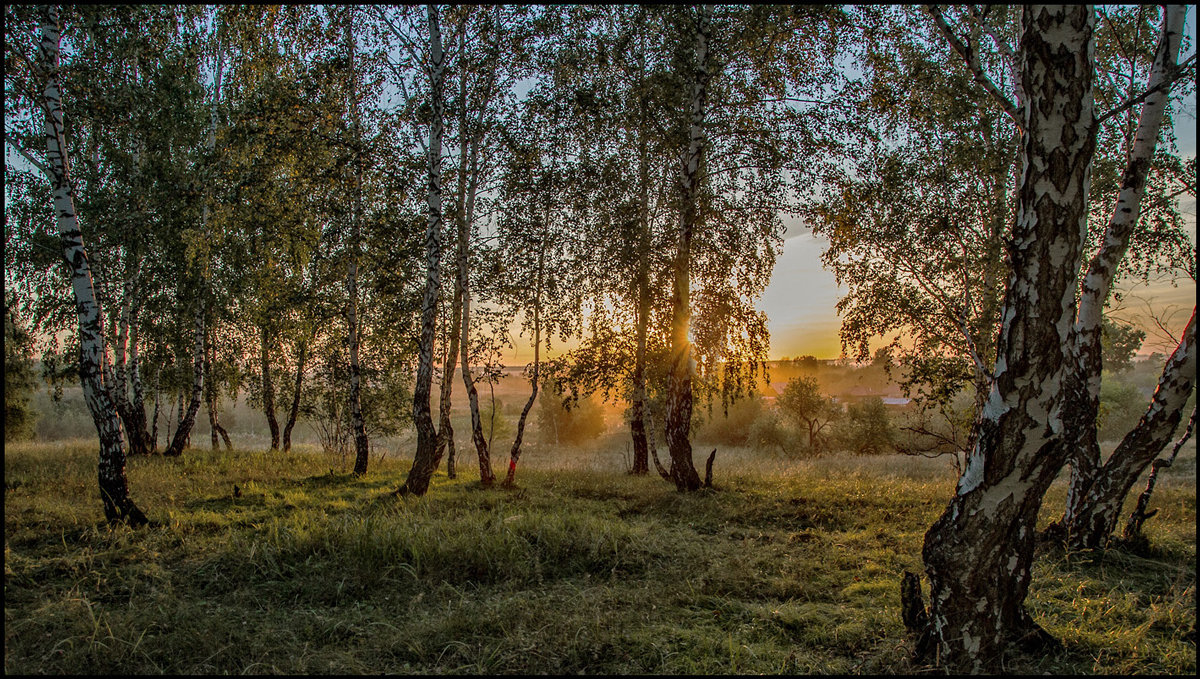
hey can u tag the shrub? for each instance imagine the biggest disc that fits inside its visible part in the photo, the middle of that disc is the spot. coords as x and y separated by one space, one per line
867 429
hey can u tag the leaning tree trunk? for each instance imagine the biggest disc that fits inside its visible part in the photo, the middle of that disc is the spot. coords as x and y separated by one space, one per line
679 385
114 485
449 367
979 554
1102 270
486 476
422 468
653 447
515 454
1133 529
1096 514
184 431
465 221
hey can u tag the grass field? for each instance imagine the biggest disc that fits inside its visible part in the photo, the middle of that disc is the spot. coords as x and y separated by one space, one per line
789 567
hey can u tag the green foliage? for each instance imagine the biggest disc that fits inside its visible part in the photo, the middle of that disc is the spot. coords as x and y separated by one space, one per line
1121 406
770 433
788 569
804 406
867 428
20 380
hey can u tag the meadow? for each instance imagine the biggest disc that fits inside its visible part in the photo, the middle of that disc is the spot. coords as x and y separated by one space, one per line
789 566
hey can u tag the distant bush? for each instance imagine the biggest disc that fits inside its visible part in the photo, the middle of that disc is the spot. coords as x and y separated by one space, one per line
804 406
867 428
769 433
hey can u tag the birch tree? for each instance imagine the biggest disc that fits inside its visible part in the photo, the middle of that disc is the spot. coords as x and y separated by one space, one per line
1098 489
417 481
978 555
42 71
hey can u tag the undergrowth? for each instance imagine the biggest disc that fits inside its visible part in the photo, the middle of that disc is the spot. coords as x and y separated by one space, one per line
785 568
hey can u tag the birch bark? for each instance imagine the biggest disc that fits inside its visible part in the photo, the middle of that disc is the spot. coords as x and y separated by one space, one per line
114 485
679 387
1098 507
1097 286
361 447
979 554
421 471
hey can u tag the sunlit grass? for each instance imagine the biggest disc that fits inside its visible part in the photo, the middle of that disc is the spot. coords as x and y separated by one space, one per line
790 566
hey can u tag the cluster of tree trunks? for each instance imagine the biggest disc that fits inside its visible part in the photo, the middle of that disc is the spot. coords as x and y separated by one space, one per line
682 366
417 481
1043 403
978 555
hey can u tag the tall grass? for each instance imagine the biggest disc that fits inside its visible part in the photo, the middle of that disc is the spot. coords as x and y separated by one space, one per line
791 566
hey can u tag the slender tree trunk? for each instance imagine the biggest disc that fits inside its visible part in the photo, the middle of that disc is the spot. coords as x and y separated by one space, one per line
486 476
466 218
1097 285
119 391
653 446
422 468
449 367
294 411
1098 510
445 428
679 386
154 432
147 444
361 447
114 485
978 555
268 387
184 432
637 422
515 454
210 397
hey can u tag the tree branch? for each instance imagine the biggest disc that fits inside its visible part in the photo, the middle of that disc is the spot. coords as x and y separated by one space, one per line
971 57
26 155
1177 73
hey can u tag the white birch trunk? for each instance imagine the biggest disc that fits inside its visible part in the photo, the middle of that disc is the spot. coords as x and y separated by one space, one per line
421 471
114 486
679 387
979 554
1097 284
